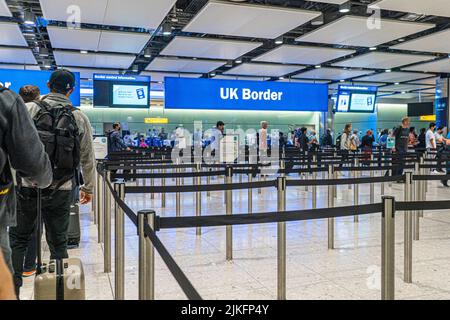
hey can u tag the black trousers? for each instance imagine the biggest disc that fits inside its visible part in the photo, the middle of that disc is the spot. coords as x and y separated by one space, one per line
55 215
398 163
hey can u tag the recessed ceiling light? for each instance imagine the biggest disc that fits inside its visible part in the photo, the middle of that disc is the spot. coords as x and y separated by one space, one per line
345 7
388 70
83 51
373 48
148 53
318 21
167 29
397 83
281 78
341 80
318 66
401 40
239 61
213 74
279 40
29 18
43 52
403 92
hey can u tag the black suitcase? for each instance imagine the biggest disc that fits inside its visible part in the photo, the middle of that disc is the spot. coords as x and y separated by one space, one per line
74 232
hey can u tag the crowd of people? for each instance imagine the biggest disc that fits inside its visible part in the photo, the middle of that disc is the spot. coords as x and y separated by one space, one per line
45 146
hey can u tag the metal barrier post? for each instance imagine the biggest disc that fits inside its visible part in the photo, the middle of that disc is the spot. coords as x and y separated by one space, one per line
152 184
150 260
281 233
107 223
163 184
229 211
119 244
383 184
198 199
424 186
142 220
178 194
330 205
314 188
388 249
417 197
306 174
208 182
356 175
250 194
408 239
100 208
95 202
372 185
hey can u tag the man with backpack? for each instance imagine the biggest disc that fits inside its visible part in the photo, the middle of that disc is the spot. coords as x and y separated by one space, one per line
21 150
67 136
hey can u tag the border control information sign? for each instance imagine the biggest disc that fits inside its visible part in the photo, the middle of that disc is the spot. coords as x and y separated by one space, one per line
100 147
184 93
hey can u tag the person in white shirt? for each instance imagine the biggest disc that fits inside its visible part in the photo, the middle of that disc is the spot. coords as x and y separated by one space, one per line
216 136
430 138
263 141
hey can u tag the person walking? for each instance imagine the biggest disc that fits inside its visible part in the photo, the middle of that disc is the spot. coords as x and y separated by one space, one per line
56 200
401 135
21 150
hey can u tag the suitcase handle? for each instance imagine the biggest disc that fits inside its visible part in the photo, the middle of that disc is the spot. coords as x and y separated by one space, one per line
59 279
39 232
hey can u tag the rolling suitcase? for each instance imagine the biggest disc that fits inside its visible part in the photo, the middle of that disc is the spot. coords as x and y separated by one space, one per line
74 232
58 279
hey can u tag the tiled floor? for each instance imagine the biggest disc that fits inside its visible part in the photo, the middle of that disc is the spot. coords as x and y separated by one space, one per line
351 271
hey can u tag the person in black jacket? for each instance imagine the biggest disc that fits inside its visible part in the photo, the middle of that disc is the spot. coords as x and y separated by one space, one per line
22 150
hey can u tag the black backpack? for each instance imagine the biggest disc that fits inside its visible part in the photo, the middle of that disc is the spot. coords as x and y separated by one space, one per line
59 133
338 142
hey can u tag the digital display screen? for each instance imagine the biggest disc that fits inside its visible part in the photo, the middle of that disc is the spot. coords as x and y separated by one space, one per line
121 91
356 99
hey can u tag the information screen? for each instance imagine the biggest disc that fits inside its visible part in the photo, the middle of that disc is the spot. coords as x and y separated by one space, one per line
356 99
121 91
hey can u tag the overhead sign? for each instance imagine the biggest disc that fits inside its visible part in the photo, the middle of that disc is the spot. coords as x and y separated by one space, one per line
15 79
428 118
184 93
156 120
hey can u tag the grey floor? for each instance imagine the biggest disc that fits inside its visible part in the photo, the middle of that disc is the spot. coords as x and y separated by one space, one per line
350 271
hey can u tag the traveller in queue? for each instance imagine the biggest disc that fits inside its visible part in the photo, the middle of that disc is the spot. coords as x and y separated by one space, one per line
216 137
346 142
421 141
440 148
262 144
401 135
16 131
56 199
30 93
116 142
327 139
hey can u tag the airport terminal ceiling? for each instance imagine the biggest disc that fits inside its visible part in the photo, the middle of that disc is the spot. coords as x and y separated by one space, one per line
401 49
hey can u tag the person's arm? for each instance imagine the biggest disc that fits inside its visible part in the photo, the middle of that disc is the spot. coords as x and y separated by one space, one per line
87 159
25 149
6 281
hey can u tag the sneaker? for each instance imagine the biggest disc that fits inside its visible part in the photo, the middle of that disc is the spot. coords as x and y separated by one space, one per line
434 172
27 274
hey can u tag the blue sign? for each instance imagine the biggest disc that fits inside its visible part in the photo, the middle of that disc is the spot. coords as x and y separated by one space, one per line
187 93
15 79
356 98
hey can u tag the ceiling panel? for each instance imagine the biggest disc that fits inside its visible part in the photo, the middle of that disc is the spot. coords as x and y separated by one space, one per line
224 77
331 74
440 66
435 7
430 81
93 60
302 81
354 31
208 48
435 42
19 67
11 35
17 55
131 13
382 60
97 40
184 65
159 76
4 11
395 77
263 70
334 86
247 20
404 87
405 96
88 73
303 54
331 1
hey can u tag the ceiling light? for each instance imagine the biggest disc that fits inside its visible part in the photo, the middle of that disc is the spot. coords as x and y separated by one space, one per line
345 7
47 64
388 70
167 29
279 40
318 66
281 78
238 61
135 68
148 53
401 40
341 80
29 18
213 74
403 92
43 52
373 48
83 51
317 21
397 83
